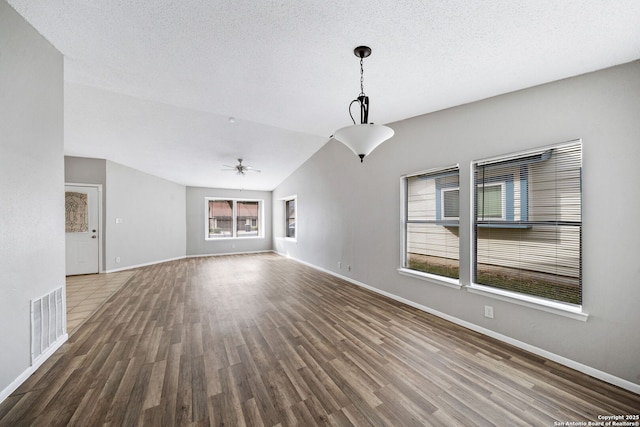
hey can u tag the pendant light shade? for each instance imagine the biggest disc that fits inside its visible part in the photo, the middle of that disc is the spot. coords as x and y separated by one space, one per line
362 138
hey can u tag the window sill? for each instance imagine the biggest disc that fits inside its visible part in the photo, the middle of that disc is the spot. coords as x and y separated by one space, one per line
561 309
431 278
215 239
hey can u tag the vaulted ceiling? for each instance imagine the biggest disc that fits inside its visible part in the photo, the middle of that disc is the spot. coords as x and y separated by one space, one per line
153 84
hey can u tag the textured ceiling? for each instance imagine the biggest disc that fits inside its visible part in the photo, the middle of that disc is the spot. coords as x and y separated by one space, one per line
152 83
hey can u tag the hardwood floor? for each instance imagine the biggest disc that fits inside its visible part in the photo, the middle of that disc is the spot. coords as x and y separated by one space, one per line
262 340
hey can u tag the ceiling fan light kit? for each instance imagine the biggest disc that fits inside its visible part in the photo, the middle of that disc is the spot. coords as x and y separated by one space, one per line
362 138
240 168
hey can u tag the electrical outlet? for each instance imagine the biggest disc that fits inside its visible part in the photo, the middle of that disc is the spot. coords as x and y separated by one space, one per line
340 265
488 311
117 259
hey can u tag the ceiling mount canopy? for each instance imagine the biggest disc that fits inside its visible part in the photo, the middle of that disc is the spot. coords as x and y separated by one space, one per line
362 138
362 52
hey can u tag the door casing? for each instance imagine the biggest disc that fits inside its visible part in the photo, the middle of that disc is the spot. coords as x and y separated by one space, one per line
99 226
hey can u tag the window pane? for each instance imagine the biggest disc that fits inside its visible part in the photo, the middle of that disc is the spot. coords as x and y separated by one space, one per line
433 249
451 202
535 246
220 218
290 206
247 219
432 211
490 201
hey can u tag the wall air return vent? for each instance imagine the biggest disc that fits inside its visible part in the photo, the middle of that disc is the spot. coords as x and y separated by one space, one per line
48 324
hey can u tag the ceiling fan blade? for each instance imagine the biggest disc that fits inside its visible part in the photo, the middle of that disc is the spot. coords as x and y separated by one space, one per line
240 168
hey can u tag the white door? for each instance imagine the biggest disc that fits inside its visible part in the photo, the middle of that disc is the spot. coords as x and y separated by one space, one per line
81 229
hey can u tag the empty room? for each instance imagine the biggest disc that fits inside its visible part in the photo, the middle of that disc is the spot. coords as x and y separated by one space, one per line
285 213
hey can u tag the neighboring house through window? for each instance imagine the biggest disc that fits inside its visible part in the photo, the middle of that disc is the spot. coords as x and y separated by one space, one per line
527 223
233 218
491 201
450 203
431 210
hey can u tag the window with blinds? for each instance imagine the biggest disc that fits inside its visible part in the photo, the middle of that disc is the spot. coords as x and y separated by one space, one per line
431 222
528 223
290 220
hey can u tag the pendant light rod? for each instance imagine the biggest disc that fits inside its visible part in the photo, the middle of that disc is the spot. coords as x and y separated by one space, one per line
362 138
363 52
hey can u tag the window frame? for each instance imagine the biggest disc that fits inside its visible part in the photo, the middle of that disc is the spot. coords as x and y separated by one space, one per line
448 222
286 201
443 204
503 199
234 217
560 307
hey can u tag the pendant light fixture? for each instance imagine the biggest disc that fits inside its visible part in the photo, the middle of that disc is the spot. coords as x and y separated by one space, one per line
362 138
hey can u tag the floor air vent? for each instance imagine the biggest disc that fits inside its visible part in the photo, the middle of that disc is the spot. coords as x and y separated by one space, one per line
47 323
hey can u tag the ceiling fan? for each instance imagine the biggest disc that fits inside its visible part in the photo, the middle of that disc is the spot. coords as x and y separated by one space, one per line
240 168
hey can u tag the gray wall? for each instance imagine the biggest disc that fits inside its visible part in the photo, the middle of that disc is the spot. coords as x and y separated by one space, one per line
349 211
82 170
85 171
196 243
153 218
31 184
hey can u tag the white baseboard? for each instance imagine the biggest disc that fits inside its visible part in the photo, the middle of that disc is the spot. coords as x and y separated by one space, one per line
596 373
31 369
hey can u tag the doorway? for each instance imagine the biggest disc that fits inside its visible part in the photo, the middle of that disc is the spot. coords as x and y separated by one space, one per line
83 228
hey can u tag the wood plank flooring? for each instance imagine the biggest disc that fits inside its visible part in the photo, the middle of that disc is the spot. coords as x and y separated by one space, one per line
261 340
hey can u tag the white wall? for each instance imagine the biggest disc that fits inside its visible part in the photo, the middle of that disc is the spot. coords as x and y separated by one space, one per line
349 212
153 217
31 185
196 243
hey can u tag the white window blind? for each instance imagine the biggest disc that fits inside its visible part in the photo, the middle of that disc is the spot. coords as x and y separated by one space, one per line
290 209
431 222
528 223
